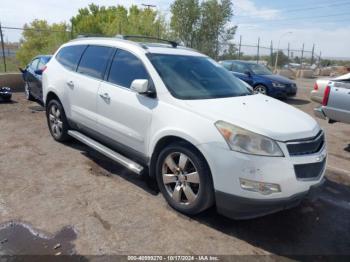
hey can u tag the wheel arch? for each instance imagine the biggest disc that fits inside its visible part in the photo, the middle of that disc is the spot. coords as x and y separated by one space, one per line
51 95
169 139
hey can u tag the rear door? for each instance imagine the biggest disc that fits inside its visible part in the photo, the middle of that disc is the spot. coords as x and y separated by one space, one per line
84 84
30 77
124 115
338 107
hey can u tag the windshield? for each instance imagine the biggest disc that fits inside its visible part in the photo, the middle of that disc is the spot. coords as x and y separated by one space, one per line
260 69
195 77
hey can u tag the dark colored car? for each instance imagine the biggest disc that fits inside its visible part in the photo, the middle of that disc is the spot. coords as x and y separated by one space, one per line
5 94
32 77
261 78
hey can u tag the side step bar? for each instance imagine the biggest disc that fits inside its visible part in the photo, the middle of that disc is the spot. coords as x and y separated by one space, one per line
129 164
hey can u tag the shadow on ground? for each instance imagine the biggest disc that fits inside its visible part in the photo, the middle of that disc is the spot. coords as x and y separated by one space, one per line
347 148
320 227
296 101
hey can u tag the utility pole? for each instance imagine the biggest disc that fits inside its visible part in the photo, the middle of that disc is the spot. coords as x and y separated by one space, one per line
312 54
302 57
239 47
258 51
3 48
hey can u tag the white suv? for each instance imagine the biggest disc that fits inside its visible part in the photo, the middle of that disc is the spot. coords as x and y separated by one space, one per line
198 130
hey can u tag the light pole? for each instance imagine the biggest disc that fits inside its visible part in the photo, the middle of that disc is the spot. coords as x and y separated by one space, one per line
278 48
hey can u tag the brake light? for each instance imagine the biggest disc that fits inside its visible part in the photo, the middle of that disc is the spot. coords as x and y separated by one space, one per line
326 96
45 67
316 86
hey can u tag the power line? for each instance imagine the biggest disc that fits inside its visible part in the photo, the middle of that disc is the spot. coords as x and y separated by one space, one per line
300 9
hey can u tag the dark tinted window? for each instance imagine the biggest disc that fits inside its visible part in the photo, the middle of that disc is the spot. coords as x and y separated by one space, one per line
239 67
69 56
94 61
196 77
125 68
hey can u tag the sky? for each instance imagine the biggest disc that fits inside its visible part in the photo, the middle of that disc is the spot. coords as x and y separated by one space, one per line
323 23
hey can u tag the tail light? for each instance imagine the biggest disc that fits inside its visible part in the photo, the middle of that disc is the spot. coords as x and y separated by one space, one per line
316 86
45 67
326 96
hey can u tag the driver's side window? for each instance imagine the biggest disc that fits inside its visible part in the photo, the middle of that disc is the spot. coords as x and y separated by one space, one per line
239 68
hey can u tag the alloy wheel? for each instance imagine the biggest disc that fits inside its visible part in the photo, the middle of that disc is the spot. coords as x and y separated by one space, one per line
56 123
180 178
260 90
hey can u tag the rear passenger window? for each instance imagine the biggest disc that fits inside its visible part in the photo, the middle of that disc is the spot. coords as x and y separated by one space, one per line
126 68
69 56
95 60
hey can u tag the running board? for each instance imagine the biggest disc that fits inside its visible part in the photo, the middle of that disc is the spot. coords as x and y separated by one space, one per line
129 164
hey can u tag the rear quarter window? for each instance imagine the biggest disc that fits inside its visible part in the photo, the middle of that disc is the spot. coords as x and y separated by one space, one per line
69 56
95 60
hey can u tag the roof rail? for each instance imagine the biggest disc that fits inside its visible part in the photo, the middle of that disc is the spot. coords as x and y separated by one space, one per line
90 35
127 37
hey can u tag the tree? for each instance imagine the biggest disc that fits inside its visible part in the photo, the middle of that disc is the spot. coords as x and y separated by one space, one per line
204 26
185 20
39 37
282 59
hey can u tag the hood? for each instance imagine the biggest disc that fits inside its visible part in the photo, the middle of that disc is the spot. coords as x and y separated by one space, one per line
260 114
278 78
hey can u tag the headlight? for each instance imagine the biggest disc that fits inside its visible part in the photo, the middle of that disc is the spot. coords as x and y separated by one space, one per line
244 141
276 84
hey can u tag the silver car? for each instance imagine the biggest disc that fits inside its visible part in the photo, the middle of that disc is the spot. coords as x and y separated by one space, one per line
335 103
321 84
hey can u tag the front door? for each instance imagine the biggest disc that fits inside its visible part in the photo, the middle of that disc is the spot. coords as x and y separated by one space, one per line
124 115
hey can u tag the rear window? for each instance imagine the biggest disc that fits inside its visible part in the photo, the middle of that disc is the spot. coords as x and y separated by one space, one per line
95 60
69 56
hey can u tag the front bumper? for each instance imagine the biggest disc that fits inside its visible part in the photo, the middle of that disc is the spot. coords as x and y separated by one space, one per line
237 207
319 113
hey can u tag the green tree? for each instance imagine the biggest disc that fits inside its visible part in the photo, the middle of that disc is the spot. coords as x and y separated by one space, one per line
39 37
204 26
185 21
282 59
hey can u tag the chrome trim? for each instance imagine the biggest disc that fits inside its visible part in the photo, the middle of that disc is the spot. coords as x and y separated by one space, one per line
311 140
129 164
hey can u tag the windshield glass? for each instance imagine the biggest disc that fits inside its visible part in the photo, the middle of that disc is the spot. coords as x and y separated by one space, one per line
260 69
195 77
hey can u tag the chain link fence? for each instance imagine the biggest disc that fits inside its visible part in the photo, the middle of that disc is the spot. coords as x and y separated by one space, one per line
289 56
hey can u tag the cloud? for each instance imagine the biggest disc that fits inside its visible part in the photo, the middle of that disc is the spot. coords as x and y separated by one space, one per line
248 8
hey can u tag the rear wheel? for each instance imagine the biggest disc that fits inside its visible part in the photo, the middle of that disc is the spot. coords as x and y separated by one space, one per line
260 89
27 92
184 179
57 121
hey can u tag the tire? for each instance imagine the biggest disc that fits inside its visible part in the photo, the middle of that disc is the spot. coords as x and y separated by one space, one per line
186 197
27 92
57 121
260 89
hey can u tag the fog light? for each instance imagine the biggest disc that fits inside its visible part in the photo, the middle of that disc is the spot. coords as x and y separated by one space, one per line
260 187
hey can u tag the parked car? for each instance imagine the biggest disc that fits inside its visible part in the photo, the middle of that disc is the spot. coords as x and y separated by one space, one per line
261 78
200 132
321 84
5 94
32 76
336 103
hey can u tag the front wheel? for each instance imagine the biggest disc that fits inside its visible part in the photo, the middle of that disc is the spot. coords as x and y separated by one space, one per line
57 121
184 178
260 89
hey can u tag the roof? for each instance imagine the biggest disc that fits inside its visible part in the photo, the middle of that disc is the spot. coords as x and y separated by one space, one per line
136 47
240 61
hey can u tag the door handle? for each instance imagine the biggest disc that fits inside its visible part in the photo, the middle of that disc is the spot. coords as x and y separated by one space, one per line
105 97
70 83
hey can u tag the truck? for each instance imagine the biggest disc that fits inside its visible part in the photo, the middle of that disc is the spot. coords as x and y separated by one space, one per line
336 103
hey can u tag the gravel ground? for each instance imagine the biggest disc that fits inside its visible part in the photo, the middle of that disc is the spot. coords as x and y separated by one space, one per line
48 186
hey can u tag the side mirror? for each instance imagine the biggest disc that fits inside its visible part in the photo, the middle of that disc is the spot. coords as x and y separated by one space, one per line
140 86
38 72
248 73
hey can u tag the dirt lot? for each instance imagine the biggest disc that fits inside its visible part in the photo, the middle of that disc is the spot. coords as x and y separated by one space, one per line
89 205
